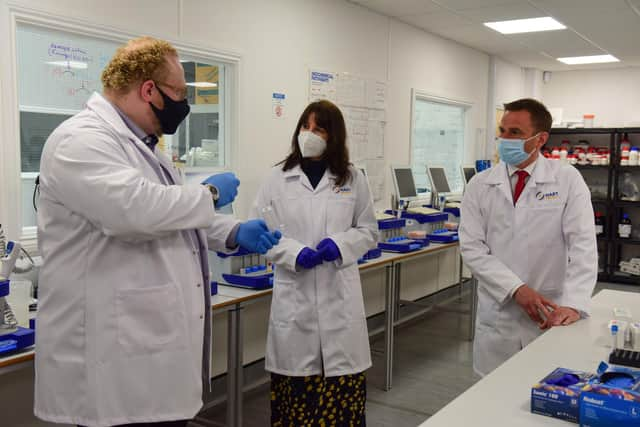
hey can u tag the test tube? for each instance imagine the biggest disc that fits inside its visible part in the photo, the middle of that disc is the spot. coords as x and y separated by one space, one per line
270 217
614 337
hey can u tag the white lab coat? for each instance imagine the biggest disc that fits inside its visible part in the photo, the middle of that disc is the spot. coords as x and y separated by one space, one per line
547 241
317 316
124 310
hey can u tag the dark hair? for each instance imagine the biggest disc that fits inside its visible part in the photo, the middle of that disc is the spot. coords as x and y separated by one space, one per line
328 117
540 116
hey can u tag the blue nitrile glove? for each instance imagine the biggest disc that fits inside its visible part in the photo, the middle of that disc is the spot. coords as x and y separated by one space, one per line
328 250
227 185
254 236
564 380
308 258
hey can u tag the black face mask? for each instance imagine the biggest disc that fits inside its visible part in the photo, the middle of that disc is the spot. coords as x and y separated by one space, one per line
172 114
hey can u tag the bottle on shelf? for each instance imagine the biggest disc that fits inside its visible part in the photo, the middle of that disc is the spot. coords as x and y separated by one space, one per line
633 156
564 152
624 227
624 142
629 190
599 223
624 156
555 153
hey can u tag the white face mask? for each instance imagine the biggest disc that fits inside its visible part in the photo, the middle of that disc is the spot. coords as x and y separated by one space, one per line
311 145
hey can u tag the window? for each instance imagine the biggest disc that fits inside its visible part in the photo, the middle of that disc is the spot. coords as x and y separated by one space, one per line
438 137
59 70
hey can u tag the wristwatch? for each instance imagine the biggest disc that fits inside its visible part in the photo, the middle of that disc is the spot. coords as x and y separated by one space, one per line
215 194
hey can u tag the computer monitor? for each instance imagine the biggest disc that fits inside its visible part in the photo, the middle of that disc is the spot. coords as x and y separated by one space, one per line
403 182
439 181
468 171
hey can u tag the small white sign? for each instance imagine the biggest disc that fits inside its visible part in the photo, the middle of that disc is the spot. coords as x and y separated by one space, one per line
278 105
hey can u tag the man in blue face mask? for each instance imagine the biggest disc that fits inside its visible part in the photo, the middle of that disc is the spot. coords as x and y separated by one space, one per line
527 234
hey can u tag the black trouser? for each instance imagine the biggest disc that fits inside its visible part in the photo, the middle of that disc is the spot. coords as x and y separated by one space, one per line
181 423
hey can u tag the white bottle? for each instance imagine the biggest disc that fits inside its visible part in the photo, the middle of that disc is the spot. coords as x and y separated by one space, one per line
624 227
624 157
563 154
633 156
555 153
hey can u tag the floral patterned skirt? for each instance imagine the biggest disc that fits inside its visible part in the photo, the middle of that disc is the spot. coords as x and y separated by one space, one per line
318 401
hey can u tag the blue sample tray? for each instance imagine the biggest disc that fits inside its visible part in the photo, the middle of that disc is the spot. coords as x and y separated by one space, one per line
389 224
17 340
214 288
401 246
421 218
372 254
259 281
453 211
4 288
444 236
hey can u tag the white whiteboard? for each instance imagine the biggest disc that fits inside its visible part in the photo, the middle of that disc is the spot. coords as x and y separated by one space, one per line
59 70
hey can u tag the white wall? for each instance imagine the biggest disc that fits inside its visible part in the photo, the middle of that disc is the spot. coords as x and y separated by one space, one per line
510 82
612 95
506 82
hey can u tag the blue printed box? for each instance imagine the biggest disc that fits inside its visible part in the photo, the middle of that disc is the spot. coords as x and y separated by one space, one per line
606 406
558 394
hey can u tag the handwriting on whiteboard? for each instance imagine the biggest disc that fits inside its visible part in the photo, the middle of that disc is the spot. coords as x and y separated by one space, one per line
69 53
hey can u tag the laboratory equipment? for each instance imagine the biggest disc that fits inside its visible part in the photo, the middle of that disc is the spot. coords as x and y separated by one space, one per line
621 356
393 238
204 156
482 165
242 269
12 336
404 185
370 255
614 327
629 189
271 219
422 218
624 227
468 171
599 223
401 244
587 120
630 267
439 185
443 235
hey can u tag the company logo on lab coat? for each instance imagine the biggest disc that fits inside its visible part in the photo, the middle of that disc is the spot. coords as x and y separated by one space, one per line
553 195
341 190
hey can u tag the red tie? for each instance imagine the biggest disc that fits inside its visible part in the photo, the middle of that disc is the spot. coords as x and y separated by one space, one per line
522 180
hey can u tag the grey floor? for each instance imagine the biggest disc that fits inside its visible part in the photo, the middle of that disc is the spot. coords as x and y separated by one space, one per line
432 367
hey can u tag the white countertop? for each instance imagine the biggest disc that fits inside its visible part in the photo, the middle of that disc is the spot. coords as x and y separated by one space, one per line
503 397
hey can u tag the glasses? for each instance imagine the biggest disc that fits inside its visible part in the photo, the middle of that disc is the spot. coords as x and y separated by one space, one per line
181 92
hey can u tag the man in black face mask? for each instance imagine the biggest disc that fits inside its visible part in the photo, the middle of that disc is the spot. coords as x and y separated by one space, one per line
124 311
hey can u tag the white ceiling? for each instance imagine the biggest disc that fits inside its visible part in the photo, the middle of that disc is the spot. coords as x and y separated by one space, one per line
594 27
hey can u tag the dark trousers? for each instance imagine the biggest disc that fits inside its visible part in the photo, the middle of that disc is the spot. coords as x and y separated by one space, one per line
182 423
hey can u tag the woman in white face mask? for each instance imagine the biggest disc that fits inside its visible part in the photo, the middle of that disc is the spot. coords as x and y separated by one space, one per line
318 344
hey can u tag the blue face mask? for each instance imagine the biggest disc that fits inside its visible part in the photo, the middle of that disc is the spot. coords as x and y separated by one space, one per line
512 150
